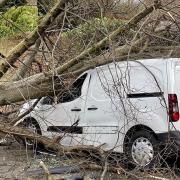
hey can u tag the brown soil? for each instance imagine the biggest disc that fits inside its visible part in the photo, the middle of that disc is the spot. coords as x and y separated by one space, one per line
6 45
13 160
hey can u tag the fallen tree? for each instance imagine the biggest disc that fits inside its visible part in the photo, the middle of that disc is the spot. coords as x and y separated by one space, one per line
41 84
47 142
13 56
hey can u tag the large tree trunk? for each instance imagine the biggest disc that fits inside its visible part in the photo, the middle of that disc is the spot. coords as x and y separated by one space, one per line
47 142
25 44
27 63
41 84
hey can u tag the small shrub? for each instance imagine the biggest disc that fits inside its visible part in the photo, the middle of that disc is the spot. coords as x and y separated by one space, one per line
92 31
4 30
103 26
23 18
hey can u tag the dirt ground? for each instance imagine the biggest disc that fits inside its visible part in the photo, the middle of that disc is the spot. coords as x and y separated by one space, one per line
13 160
16 163
6 45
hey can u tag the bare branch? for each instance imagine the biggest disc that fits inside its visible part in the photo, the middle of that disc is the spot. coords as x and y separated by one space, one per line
41 84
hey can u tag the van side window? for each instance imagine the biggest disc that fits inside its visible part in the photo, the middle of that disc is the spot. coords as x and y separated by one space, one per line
109 83
74 91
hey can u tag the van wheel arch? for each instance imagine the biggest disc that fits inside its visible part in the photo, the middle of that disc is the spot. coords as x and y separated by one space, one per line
136 135
137 128
23 123
34 121
30 121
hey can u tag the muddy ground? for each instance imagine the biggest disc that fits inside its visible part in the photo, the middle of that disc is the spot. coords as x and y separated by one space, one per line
17 163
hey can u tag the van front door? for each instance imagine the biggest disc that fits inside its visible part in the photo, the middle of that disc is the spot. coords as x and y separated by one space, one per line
65 116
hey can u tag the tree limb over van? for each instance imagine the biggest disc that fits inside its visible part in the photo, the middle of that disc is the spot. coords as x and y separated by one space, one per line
41 84
48 143
29 41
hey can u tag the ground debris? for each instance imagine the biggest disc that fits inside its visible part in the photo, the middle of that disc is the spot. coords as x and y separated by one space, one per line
54 170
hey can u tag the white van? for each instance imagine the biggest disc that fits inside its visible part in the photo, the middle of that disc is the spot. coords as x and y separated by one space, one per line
129 107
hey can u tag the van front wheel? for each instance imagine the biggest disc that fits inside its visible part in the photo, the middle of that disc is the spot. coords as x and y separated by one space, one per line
33 126
142 149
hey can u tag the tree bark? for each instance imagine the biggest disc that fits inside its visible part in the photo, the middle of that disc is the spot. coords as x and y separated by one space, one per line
23 67
47 142
20 73
41 84
25 44
101 44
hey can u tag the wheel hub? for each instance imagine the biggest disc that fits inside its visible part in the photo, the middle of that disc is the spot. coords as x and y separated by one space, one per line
33 129
142 151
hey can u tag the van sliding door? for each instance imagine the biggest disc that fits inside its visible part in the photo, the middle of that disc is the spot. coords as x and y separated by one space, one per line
104 111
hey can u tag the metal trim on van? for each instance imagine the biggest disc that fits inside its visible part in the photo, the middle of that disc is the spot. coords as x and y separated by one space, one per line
143 95
66 129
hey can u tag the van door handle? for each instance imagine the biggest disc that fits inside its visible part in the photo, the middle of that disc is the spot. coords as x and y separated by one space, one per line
92 108
76 109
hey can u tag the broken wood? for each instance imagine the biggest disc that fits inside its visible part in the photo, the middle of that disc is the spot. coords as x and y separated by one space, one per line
29 41
101 44
54 170
46 171
42 84
25 113
26 64
47 142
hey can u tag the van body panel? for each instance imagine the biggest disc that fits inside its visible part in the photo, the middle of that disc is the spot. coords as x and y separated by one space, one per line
175 86
114 98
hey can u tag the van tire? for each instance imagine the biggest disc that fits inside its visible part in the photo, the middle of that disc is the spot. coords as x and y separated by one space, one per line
140 144
32 123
